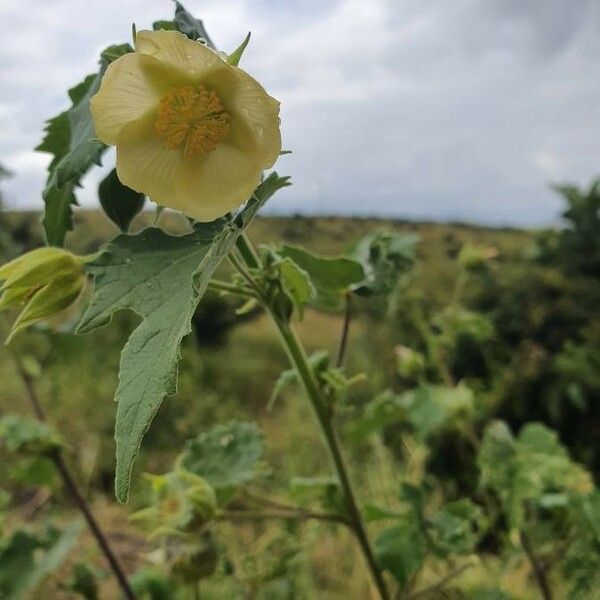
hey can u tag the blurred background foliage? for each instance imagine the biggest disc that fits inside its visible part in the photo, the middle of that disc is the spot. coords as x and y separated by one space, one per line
472 436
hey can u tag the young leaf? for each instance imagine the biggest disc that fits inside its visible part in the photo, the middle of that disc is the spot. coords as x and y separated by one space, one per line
161 278
70 137
296 284
384 256
120 203
401 550
331 277
226 455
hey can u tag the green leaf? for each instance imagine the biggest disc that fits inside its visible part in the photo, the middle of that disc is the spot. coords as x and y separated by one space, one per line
26 558
582 562
401 550
296 284
456 527
226 455
331 277
385 256
71 139
526 468
120 203
162 279
431 407
185 23
29 436
427 408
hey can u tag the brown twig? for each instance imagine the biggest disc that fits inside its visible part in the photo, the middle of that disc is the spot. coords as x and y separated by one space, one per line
345 330
539 572
69 483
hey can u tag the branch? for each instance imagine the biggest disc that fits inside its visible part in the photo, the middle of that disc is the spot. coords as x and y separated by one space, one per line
69 483
345 330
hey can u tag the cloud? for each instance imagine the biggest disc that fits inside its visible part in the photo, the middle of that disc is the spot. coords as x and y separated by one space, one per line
421 108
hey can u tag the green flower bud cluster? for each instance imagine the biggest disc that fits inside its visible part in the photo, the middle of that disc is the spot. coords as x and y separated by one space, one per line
181 503
43 283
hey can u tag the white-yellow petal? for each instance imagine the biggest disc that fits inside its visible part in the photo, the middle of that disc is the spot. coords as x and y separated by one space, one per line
145 165
188 61
131 88
209 188
254 119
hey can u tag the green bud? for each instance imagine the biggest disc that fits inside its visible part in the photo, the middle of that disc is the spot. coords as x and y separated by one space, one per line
44 282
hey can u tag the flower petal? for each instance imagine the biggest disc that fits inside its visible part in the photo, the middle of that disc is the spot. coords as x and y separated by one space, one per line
209 188
130 89
145 165
254 117
188 61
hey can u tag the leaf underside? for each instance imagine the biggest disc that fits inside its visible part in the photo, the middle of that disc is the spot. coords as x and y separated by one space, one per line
161 278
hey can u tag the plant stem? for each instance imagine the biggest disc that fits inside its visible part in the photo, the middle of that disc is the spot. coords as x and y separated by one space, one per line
298 359
69 483
345 331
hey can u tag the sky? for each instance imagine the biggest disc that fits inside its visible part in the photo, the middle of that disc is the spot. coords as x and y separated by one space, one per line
423 109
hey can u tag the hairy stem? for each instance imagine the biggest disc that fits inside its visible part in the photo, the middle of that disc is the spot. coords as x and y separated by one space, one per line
72 488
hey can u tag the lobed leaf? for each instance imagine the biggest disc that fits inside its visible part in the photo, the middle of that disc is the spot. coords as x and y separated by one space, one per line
162 279
71 139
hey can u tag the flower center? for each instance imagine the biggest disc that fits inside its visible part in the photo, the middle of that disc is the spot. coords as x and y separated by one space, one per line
193 118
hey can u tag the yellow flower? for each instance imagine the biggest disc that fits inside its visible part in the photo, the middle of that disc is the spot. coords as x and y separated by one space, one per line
44 282
192 131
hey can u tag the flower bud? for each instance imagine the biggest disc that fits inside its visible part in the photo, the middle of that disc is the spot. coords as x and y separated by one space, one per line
44 282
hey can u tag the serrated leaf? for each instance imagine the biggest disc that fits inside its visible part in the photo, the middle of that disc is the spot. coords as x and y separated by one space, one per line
331 277
71 138
227 455
185 23
385 256
120 203
400 550
162 279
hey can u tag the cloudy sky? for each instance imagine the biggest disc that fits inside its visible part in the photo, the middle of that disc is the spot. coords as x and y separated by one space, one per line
436 109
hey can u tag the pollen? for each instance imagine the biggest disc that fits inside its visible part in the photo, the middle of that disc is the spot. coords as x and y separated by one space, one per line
192 118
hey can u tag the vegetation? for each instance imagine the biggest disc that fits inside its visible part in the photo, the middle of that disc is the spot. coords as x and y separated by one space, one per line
364 409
